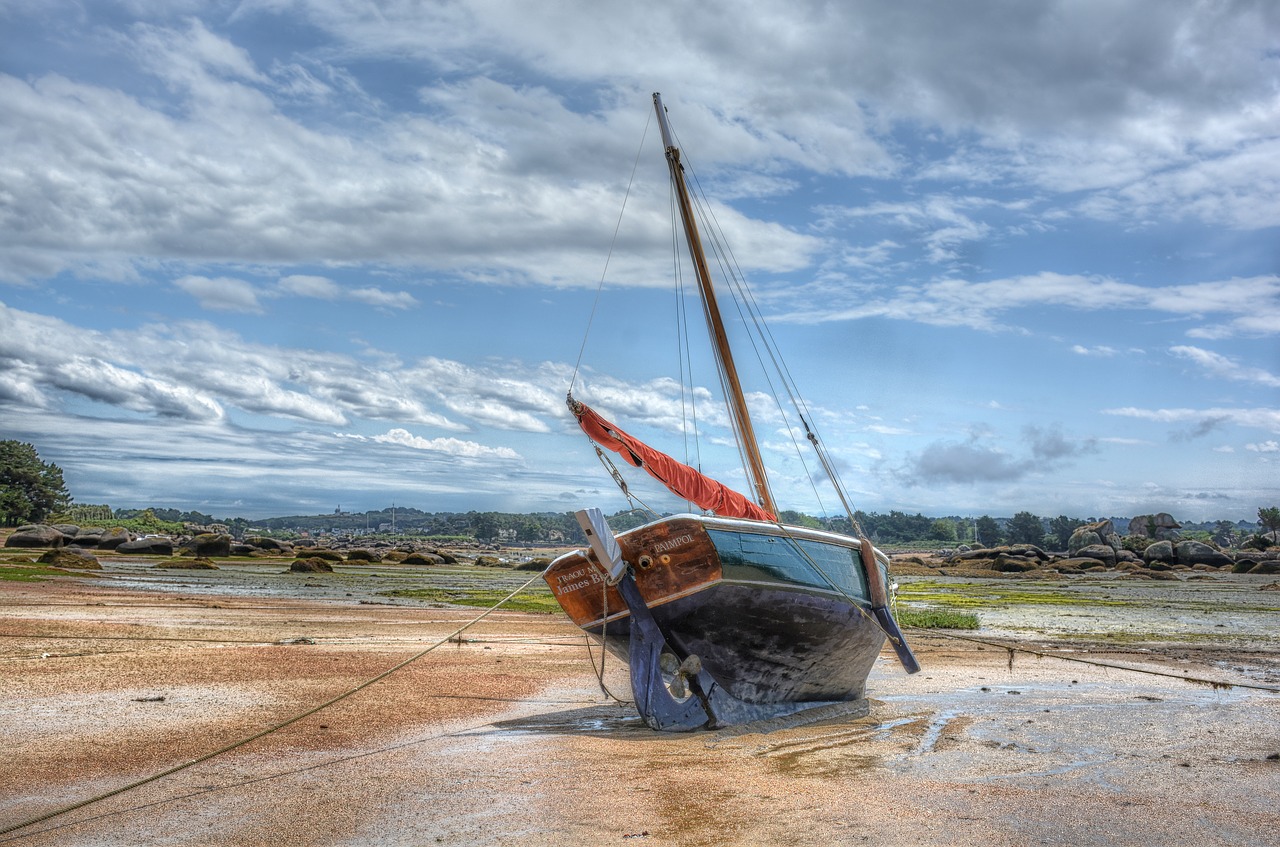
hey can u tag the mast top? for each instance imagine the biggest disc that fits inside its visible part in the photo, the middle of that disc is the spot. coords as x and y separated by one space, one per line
720 340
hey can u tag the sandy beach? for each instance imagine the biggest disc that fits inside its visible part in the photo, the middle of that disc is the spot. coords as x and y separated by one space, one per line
504 736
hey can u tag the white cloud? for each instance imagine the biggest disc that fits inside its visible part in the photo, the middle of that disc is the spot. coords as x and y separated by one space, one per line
384 299
1205 420
1224 367
1101 350
194 369
1241 303
323 288
222 294
304 285
450 446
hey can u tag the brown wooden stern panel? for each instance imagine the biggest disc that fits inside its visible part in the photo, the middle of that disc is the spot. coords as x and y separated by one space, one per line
670 558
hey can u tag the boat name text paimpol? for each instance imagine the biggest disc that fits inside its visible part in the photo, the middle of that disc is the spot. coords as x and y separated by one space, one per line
672 543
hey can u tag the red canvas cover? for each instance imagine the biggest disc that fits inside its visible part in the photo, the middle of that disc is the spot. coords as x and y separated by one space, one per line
679 478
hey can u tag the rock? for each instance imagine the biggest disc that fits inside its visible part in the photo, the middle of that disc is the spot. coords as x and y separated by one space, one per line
1029 551
1270 566
264 543
1147 573
1009 564
1158 527
112 538
312 564
72 558
1080 564
87 536
1104 553
156 545
1161 551
70 530
197 564
361 554
209 544
1198 553
422 559
37 535
1091 534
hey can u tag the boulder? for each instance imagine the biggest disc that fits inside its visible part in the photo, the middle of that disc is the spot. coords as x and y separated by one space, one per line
1161 551
361 554
422 559
1091 534
113 538
1147 573
1158 527
1104 553
35 535
70 530
197 564
87 536
1026 551
1080 563
210 544
264 543
155 545
1268 566
1198 553
311 564
71 557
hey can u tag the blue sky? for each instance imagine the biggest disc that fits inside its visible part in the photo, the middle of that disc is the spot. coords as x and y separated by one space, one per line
284 256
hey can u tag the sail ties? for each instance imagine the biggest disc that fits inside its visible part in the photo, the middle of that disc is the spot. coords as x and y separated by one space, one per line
680 479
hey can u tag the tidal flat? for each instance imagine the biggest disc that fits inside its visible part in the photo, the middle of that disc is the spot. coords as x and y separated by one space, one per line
1144 713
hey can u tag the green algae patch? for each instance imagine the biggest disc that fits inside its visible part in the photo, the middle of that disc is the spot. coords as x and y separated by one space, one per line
995 595
29 572
935 619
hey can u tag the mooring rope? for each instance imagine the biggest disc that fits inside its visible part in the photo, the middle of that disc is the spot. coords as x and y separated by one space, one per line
1045 654
269 730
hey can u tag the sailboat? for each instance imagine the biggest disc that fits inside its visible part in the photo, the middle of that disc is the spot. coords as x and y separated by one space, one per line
727 616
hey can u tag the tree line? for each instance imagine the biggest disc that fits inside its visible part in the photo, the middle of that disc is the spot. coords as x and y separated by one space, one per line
33 491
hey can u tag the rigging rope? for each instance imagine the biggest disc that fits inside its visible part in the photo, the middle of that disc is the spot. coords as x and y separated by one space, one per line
751 314
271 729
1044 654
604 272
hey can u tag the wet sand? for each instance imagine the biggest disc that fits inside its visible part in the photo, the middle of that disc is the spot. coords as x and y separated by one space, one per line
506 737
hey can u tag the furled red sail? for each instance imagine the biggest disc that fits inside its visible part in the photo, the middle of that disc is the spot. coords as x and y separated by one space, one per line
679 478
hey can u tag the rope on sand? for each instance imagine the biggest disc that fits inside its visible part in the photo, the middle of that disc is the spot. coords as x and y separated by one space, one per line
269 730
1044 654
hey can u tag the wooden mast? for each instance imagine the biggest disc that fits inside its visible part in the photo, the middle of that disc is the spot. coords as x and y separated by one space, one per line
737 403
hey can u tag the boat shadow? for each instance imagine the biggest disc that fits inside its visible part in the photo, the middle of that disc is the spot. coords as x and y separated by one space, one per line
615 721
621 722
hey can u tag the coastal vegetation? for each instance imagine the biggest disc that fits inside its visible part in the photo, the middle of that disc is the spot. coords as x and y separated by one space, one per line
33 491
30 490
